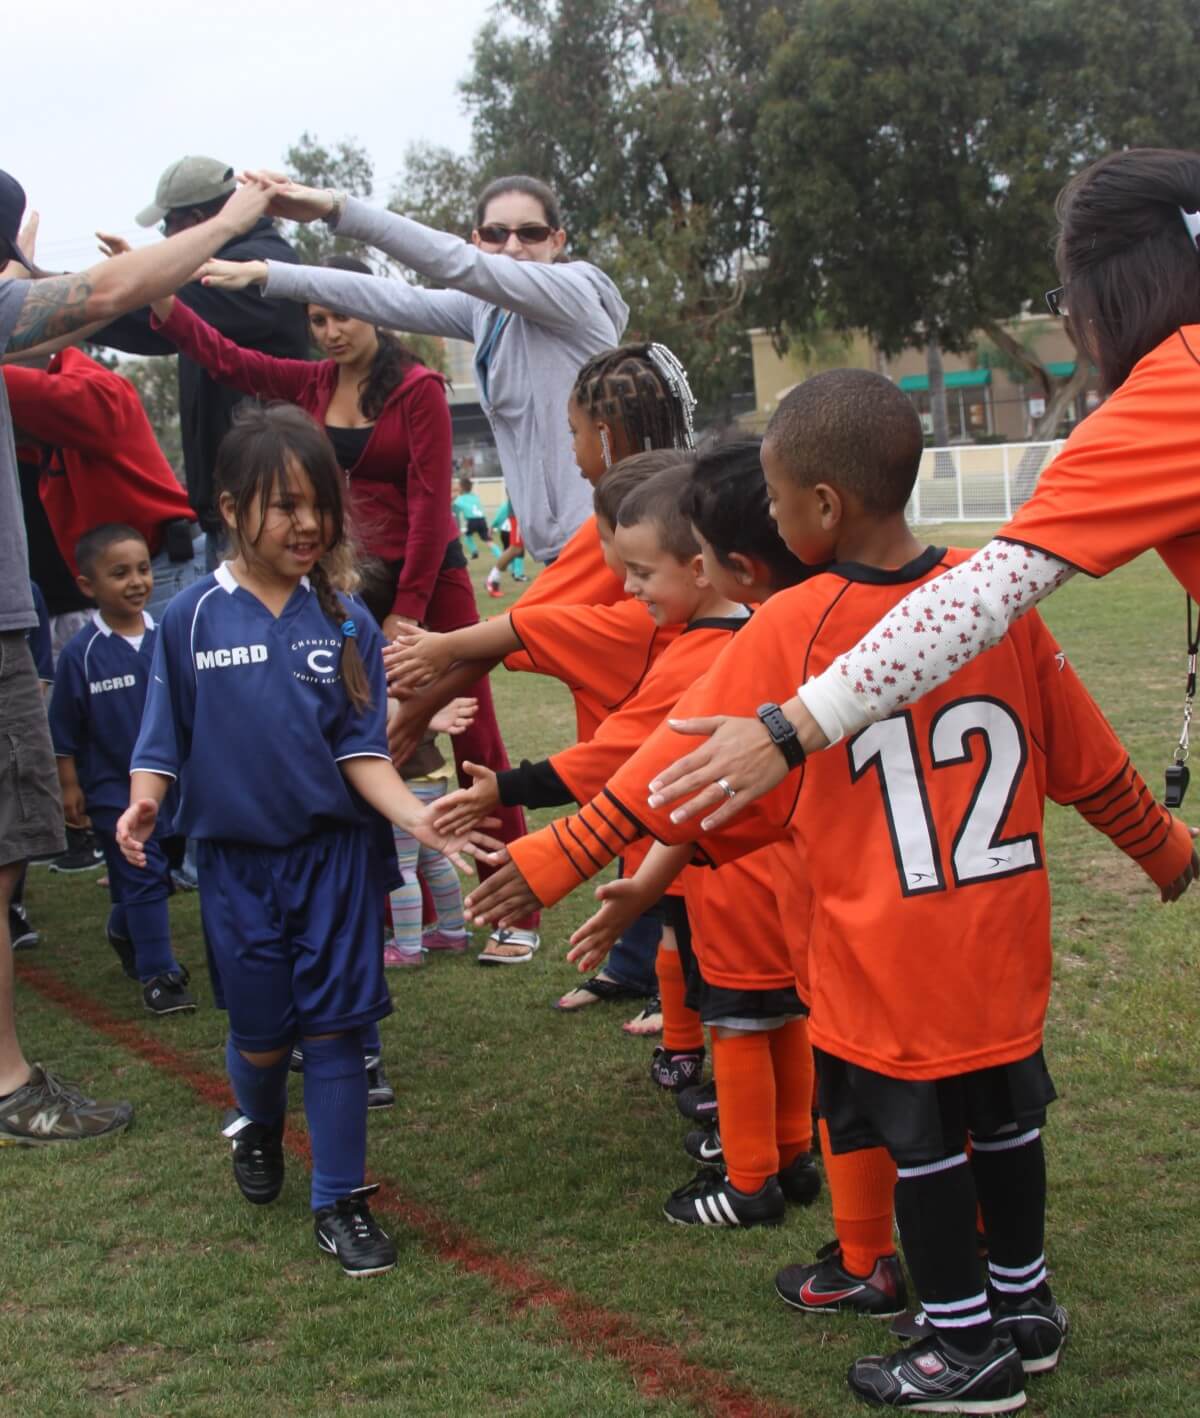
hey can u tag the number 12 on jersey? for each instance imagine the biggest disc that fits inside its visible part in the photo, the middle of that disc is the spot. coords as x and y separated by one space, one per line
959 732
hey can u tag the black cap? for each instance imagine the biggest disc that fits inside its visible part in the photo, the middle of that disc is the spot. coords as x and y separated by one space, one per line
12 209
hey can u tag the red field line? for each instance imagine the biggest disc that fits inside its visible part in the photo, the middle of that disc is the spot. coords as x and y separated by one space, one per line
658 1368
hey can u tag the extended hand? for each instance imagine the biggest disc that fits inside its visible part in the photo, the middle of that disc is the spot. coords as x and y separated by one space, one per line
415 659
621 905
455 717
461 810
503 898
739 752
291 199
134 828
462 845
112 245
232 275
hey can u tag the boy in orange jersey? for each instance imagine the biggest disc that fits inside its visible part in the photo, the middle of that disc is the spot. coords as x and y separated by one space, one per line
930 948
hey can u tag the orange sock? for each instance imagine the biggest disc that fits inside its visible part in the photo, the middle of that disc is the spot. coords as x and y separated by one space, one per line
746 1090
792 1062
682 1029
861 1185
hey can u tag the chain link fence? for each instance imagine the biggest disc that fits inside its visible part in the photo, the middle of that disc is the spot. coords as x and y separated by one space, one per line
977 482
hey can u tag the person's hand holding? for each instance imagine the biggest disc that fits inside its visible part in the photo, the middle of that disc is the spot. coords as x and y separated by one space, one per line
75 807
459 846
250 201
621 904
461 810
232 275
416 658
503 898
292 199
135 826
455 717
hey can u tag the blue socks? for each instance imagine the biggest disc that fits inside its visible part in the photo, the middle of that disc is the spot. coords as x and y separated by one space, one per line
149 927
261 1093
335 1102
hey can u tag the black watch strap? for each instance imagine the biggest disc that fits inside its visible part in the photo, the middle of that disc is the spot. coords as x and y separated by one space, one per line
783 733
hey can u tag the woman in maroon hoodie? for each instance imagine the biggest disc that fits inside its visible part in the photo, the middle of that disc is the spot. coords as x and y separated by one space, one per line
387 417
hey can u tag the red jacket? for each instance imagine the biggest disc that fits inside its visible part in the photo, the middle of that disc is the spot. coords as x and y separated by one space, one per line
399 488
103 463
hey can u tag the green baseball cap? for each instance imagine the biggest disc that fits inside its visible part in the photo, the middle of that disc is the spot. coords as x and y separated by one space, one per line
190 182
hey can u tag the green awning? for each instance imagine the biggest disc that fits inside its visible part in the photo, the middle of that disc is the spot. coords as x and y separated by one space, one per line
957 379
1062 370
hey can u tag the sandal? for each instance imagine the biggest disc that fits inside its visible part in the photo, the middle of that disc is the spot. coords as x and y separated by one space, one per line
648 1023
597 990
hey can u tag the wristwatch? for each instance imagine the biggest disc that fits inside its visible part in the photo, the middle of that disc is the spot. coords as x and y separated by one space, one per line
337 206
783 733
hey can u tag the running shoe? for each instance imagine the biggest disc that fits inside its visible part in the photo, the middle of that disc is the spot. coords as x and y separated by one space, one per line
82 854
933 1377
48 1109
348 1231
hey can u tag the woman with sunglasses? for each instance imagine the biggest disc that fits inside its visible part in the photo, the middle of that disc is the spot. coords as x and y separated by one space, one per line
1126 481
533 318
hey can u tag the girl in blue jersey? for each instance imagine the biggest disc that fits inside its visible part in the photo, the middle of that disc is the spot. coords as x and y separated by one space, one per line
267 702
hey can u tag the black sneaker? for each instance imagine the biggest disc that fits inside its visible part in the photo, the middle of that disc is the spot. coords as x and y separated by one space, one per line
1037 1327
167 994
49 1109
257 1156
125 953
800 1180
82 854
676 1069
704 1144
699 1103
826 1285
931 1377
348 1231
23 935
380 1093
709 1200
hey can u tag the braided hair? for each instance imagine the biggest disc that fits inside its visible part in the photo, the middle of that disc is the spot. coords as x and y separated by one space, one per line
642 392
255 457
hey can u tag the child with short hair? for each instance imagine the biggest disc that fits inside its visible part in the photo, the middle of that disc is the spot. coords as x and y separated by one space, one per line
930 957
100 687
268 705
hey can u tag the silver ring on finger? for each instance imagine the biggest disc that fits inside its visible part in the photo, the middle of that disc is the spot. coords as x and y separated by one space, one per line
723 784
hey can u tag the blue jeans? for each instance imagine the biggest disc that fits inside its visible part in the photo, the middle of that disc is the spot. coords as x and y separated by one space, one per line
171 577
631 961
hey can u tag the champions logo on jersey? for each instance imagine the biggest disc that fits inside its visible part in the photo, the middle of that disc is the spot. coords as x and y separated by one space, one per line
233 655
102 686
318 661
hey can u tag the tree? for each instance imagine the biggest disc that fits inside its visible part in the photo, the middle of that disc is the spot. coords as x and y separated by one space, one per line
157 385
640 114
346 167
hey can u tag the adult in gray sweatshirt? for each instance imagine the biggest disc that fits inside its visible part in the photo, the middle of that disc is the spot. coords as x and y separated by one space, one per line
534 319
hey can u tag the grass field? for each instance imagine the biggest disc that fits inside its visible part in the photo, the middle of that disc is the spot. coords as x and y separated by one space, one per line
528 1156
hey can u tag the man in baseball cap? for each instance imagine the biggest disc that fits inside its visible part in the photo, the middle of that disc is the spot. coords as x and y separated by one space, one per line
12 209
188 183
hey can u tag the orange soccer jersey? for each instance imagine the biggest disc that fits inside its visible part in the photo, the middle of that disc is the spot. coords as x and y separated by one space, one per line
922 835
1126 479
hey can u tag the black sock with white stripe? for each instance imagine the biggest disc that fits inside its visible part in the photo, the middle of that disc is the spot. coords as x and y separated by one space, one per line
935 1210
1010 1177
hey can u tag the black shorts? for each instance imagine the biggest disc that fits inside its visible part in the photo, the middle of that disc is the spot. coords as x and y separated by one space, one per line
750 1010
921 1121
478 527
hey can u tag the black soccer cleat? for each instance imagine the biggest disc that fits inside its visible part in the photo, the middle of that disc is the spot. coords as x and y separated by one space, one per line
380 1093
168 994
1038 1327
826 1285
712 1200
257 1156
704 1146
932 1377
801 1180
676 1068
21 934
699 1103
348 1231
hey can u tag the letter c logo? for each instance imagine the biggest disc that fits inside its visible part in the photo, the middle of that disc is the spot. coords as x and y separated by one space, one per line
321 661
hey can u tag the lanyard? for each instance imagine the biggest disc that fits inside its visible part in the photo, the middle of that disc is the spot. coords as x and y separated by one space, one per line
1177 771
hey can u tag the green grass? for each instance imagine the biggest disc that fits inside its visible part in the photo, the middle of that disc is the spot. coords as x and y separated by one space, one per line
135 1278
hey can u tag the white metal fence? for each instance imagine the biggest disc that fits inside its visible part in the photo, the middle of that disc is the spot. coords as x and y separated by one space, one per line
977 482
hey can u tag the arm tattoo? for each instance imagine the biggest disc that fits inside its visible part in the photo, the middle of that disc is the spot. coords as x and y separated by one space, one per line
54 306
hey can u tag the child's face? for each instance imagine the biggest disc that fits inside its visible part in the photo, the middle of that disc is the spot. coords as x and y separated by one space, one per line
586 443
806 520
670 589
286 537
121 579
609 547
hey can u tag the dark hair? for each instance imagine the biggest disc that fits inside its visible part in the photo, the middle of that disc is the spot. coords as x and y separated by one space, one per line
659 499
854 429
392 359
97 540
253 459
727 503
628 388
530 186
465 482
1130 265
619 481
197 212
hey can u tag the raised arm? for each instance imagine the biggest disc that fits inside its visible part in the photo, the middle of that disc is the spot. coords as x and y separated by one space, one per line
251 372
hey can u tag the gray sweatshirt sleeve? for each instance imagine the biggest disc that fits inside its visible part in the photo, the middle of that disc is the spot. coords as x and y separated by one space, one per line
557 296
380 299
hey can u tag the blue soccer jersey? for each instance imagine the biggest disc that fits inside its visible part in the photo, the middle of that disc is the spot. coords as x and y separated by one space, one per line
248 711
96 710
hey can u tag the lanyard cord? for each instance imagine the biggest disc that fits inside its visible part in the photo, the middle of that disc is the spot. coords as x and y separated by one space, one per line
1189 694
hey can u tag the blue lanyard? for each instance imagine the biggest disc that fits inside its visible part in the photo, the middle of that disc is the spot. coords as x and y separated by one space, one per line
483 356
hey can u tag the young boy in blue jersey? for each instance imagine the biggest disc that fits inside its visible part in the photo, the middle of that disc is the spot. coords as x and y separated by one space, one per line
268 704
95 713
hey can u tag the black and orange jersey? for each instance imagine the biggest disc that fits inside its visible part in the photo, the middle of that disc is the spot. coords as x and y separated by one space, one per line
921 836
1125 481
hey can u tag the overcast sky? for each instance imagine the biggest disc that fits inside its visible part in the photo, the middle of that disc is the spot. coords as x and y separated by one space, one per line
97 99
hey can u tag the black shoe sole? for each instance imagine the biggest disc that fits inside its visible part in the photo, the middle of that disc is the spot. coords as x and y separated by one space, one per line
173 1009
258 1198
331 1251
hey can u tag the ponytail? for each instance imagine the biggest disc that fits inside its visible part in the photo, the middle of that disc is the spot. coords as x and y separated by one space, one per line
354 673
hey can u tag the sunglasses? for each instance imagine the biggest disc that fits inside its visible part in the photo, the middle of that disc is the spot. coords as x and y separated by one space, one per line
496 235
1056 301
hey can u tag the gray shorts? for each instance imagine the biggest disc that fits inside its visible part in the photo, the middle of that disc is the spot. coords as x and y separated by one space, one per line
31 814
